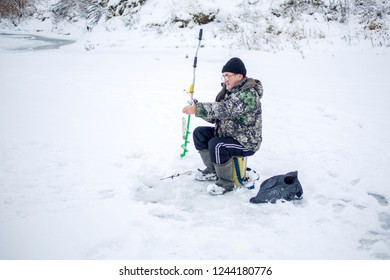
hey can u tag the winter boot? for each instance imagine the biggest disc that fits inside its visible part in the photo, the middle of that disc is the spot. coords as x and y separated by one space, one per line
225 179
207 174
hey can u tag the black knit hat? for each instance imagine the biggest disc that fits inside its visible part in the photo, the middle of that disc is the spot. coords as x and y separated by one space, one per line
235 65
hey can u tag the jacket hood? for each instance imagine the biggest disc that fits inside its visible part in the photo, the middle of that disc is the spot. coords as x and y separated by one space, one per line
248 83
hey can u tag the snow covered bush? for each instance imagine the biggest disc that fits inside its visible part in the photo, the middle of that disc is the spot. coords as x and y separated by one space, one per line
337 10
94 13
70 10
191 13
294 8
107 10
373 21
372 13
95 10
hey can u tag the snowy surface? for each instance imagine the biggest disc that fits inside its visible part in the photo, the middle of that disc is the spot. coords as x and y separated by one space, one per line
87 135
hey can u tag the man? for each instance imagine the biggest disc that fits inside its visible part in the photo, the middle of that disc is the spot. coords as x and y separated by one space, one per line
238 126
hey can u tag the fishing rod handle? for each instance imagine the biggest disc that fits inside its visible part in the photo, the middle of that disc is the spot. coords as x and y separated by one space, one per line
200 39
200 34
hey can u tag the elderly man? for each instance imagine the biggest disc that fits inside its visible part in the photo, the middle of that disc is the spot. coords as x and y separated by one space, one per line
236 114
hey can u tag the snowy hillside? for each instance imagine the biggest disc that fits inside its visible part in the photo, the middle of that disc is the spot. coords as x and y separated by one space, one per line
270 25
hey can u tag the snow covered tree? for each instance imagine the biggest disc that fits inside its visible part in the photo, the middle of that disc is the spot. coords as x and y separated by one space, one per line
14 9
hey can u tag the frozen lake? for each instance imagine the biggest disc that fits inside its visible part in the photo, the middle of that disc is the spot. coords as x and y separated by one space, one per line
27 42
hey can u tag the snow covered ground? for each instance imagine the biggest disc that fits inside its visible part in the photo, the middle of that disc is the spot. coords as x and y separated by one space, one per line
87 135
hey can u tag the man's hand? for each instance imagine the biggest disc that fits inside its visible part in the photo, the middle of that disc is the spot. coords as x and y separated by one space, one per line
189 110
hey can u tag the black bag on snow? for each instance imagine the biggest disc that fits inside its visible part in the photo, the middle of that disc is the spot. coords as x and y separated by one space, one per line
285 187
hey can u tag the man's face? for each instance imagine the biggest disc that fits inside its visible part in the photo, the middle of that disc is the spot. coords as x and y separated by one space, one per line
231 79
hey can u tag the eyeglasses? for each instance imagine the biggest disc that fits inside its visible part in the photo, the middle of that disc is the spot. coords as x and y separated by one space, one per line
226 77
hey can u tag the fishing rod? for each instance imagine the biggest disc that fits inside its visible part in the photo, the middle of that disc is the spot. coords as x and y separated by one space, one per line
186 125
177 175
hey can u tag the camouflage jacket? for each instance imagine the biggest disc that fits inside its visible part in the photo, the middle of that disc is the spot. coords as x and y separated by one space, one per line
237 113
